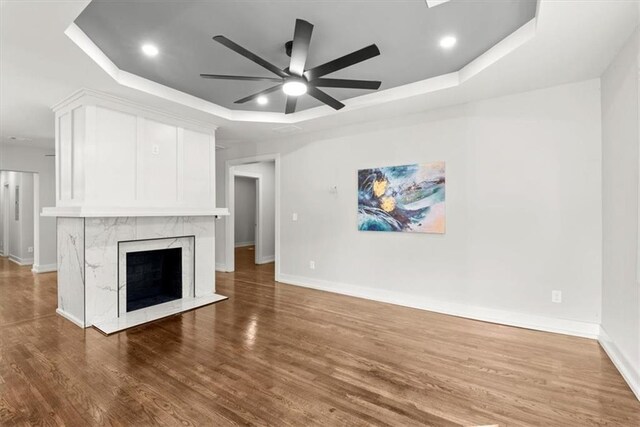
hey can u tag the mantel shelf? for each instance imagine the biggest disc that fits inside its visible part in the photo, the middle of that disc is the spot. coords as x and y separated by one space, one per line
89 212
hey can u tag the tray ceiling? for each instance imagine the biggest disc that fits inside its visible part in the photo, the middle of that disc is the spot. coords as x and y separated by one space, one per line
407 32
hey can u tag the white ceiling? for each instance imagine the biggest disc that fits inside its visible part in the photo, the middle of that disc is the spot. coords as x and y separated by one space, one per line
39 66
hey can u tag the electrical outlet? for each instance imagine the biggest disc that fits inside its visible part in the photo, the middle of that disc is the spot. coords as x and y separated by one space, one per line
294 217
312 265
155 149
30 249
556 297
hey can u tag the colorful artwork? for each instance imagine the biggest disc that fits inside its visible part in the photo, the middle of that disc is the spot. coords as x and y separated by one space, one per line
407 198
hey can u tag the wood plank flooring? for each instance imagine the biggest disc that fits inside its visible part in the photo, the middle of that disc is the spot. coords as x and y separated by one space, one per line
281 355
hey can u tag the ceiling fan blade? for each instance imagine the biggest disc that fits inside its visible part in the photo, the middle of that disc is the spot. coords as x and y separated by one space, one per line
249 55
324 97
343 62
300 48
346 83
291 104
246 78
255 95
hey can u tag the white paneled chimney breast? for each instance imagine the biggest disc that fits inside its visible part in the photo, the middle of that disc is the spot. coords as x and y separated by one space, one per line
129 178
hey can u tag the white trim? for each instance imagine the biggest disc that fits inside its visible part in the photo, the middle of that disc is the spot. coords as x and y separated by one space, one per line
266 259
5 216
434 3
20 261
221 267
510 318
244 244
70 317
106 100
229 187
36 218
44 268
509 44
630 374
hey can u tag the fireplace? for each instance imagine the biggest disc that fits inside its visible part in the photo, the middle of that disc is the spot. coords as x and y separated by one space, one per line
153 277
155 271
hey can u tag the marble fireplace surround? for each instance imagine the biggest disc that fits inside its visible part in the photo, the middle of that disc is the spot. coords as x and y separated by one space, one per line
88 264
186 243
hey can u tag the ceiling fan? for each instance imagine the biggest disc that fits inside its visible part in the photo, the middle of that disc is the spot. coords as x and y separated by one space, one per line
295 80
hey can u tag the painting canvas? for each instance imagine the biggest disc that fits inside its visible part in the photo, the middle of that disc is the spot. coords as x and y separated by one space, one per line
408 198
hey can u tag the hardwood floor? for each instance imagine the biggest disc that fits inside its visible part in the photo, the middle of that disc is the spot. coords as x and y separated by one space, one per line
284 355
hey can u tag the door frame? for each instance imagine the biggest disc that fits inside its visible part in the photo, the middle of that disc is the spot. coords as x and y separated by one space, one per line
258 253
230 199
6 196
6 211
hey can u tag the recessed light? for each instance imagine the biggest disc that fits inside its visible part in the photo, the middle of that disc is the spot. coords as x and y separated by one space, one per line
448 42
150 50
262 100
294 88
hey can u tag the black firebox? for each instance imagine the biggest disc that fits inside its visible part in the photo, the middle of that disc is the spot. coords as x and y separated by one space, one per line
153 277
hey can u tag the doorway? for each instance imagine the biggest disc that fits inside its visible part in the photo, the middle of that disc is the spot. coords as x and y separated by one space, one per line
254 243
19 219
246 216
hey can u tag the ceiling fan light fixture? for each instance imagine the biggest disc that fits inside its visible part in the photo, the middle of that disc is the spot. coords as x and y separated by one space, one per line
447 42
297 79
294 87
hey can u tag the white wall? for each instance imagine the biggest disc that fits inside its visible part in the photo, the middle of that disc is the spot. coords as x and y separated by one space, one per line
33 159
523 217
620 186
245 211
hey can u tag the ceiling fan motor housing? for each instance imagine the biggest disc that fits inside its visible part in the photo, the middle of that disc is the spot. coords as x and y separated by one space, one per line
287 47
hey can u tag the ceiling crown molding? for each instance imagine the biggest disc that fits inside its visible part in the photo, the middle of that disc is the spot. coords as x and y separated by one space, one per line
434 3
446 81
94 97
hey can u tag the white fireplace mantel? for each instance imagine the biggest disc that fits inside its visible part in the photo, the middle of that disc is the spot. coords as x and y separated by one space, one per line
107 212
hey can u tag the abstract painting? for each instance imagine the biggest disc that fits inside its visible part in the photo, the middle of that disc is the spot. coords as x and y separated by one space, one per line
408 198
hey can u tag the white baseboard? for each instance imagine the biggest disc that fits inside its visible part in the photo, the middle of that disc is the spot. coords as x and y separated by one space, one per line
21 261
221 267
509 318
70 317
44 268
630 374
244 244
266 259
